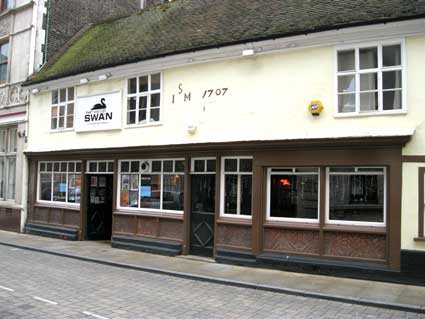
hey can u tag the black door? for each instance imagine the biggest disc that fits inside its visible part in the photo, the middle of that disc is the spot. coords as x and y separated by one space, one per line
99 207
202 217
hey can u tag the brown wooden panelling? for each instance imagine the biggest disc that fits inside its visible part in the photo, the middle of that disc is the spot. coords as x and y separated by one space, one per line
71 218
124 224
234 235
172 229
10 219
366 246
291 240
55 216
41 214
147 226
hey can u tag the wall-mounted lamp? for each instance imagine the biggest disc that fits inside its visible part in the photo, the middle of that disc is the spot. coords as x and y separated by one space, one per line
35 91
191 129
248 52
104 77
22 134
84 81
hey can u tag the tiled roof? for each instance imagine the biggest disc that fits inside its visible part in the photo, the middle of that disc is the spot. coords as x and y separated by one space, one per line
186 25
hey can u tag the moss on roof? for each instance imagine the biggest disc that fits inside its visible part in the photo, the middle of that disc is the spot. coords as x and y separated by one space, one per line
186 25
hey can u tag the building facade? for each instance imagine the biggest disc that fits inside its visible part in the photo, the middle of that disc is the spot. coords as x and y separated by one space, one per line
21 39
301 151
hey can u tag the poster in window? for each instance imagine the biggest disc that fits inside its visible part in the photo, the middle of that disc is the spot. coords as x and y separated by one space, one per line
145 191
102 181
134 182
133 199
62 187
93 181
124 198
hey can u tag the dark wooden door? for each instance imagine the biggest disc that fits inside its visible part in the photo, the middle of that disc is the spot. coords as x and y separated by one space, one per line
99 207
202 219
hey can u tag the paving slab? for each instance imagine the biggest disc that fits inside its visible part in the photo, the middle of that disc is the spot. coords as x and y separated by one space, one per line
387 295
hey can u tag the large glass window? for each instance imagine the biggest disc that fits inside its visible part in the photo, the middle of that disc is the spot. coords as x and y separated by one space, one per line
293 194
8 149
356 195
152 184
144 99
62 110
370 79
237 186
60 182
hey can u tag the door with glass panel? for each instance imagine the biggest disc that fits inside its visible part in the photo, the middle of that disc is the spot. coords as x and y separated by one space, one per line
202 218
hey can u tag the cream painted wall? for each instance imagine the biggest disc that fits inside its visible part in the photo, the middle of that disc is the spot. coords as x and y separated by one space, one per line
409 222
267 99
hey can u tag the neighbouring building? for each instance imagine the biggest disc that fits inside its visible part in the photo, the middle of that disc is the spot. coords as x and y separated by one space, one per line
279 133
21 40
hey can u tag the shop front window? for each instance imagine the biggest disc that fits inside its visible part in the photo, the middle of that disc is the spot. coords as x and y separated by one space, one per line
152 184
356 195
236 194
144 99
293 194
59 182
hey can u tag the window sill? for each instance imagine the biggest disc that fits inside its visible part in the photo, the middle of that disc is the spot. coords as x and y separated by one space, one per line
291 225
64 130
9 204
366 114
419 239
224 220
143 125
355 229
75 207
158 214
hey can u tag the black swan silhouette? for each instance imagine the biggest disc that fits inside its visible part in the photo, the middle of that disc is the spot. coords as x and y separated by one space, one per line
99 106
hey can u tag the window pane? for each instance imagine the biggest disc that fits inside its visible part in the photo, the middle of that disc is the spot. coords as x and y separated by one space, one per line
368 58
346 103
63 167
392 100
143 102
230 194
356 198
70 94
61 122
368 82
49 167
1 177
125 166
54 124
168 166
13 138
156 166
346 83
368 101
55 111
56 167
391 80
179 166
110 167
46 186
129 190
135 167
143 84
155 99
211 164
142 116
59 187
70 121
391 55
155 81
93 167
70 109
3 72
62 95
346 60
245 165
55 97
199 166
155 115
230 165
71 167
74 188
3 141
294 196
150 191
131 103
4 54
131 117
132 86
78 167
173 191
102 167
246 195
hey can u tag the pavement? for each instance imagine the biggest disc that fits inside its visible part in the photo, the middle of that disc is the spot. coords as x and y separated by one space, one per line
351 292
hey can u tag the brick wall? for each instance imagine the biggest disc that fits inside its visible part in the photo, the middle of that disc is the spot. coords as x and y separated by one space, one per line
67 17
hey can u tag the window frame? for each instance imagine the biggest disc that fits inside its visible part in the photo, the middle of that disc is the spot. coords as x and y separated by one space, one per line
89 172
379 70
66 103
222 186
148 105
205 159
52 202
140 173
268 194
5 156
356 223
6 80
421 204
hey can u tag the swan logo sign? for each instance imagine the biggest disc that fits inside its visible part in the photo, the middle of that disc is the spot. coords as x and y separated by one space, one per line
98 112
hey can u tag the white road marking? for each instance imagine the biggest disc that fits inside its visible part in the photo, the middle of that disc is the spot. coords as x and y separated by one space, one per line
14 249
93 315
7 289
45 300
